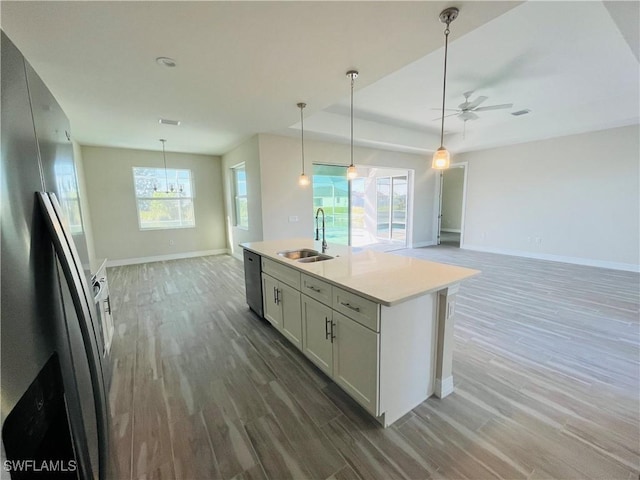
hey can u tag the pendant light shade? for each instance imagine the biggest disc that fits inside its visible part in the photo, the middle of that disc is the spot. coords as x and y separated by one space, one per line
441 157
303 180
351 171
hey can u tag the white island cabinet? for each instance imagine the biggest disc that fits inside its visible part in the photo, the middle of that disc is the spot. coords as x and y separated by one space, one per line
379 325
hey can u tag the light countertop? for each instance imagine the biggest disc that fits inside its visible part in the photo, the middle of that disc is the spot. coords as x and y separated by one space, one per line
385 278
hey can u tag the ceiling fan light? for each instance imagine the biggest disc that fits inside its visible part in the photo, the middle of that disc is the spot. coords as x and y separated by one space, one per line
352 172
441 159
303 180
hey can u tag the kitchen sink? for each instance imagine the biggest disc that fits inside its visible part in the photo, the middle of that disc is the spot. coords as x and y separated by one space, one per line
299 254
317 258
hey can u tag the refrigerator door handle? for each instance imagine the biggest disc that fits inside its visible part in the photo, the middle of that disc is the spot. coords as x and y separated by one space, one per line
69 259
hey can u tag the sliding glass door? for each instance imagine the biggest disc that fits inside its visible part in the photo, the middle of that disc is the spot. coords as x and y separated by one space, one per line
391 208
331 192
369 211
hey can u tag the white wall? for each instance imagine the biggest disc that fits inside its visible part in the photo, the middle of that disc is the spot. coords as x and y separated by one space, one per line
117 236
574 198
452 190
247 153
282 197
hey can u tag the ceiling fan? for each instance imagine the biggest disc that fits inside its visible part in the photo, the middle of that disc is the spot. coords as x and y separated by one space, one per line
467 109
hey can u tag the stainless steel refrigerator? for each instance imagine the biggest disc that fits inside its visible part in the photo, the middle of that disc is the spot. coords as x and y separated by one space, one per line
52 386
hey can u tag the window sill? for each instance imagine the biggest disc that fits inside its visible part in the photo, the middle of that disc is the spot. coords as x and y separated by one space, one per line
152 229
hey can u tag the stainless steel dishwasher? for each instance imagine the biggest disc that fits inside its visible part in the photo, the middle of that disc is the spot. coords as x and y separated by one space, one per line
253 281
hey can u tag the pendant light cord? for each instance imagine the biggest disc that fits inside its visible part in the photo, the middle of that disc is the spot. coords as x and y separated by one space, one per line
302 105
444 83
352 81
166 178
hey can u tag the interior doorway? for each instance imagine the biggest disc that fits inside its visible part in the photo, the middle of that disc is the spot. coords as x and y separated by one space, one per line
452 203
370 211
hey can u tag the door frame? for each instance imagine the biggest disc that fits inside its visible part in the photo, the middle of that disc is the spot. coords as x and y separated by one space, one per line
465 168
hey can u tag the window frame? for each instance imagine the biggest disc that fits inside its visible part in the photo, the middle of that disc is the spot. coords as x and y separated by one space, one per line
237 196
163 199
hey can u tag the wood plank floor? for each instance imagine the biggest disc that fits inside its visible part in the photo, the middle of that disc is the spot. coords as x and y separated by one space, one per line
546 369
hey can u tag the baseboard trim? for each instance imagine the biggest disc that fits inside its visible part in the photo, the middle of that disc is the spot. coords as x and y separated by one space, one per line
444 387
162 258
451 230
628 267
430 243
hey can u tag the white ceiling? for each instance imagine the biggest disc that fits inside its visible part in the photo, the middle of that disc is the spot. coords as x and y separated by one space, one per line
243 66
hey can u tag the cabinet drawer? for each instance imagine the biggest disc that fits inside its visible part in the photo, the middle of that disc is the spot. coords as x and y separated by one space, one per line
317 289
281 272
357 308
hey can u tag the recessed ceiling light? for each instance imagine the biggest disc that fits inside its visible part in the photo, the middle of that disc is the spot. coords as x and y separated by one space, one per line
521 112
166 62
165 121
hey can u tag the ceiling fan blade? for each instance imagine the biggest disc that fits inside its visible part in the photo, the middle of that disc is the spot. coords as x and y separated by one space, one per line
476 102
450 115
493 107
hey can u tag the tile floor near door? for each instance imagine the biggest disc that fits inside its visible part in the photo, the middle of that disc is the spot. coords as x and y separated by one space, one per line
546 369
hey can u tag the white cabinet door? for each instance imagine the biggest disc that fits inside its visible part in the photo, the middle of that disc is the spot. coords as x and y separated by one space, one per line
355 361
316 334
272 310
289 300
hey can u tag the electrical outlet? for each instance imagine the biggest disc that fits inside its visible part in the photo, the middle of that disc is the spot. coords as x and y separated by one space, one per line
293 218
539 240
171 243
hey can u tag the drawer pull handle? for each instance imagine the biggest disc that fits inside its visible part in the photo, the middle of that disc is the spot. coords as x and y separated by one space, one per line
326 328
332 334
348 305
314 289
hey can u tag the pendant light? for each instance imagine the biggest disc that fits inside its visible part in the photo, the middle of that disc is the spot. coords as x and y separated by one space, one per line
303 181
164 156
441 156
351 171
169 188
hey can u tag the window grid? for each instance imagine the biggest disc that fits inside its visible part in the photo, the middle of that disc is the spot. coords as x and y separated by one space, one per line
164 198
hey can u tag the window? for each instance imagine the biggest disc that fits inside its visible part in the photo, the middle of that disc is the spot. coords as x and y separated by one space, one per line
164 198
68 192
240 206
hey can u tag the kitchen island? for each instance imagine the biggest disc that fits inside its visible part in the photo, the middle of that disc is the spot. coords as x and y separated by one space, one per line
380 325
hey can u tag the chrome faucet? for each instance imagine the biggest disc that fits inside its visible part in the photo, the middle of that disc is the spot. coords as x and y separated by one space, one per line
324 242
